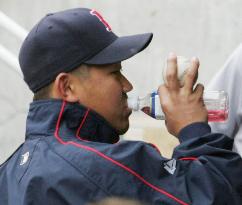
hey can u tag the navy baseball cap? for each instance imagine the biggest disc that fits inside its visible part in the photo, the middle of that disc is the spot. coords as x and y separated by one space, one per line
62 41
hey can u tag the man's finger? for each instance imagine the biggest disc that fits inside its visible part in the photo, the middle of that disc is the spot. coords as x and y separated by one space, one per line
163 94
171 72
191 76
198 91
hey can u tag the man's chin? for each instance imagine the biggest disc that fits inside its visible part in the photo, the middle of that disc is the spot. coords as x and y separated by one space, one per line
123 130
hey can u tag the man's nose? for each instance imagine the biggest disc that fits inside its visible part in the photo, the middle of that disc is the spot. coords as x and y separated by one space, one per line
127 86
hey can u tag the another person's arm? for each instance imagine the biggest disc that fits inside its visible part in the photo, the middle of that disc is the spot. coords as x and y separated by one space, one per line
229 78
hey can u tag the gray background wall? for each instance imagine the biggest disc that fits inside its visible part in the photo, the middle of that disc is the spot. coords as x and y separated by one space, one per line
209 29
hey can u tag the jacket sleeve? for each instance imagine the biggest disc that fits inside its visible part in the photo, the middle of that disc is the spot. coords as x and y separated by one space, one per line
209 169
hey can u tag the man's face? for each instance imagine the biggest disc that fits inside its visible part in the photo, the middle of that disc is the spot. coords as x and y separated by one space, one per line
104 91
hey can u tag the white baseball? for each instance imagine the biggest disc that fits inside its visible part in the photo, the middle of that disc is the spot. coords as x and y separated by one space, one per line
183 64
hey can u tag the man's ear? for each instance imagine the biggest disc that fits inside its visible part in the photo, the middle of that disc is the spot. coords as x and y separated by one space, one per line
64 87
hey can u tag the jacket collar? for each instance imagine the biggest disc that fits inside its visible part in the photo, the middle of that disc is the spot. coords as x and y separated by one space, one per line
74 119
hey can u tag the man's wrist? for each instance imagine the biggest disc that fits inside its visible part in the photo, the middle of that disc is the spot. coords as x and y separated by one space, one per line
194 130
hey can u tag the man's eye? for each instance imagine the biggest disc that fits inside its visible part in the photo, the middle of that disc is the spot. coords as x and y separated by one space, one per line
116 72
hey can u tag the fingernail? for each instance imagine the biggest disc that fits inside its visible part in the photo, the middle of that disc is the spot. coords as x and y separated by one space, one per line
171 55
195 59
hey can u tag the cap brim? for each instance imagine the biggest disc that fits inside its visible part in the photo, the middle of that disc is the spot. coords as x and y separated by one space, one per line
121 49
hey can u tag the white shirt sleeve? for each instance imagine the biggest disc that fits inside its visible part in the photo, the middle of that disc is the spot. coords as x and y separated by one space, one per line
229 78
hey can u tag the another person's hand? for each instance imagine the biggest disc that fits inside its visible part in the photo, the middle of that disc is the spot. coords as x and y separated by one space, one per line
182 105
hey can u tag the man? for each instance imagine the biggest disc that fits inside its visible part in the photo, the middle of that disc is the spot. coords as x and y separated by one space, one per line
71 60
229 79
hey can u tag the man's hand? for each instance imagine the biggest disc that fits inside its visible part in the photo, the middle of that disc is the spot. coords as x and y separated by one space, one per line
182 105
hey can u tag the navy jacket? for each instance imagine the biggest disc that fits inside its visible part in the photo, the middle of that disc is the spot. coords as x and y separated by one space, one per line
71 155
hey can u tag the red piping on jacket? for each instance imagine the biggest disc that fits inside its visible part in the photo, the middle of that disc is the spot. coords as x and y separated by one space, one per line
82 122
155 147
188 158
111 160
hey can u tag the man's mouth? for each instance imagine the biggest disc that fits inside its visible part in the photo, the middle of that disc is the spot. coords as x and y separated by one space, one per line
126 108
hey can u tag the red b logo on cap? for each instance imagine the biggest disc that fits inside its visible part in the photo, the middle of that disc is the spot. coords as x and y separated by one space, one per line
98 15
